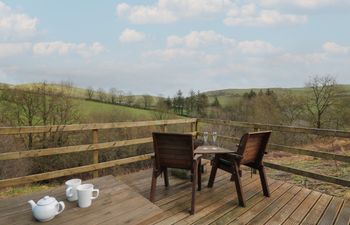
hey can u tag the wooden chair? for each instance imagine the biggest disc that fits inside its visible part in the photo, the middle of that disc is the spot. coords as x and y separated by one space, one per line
250 152
175 151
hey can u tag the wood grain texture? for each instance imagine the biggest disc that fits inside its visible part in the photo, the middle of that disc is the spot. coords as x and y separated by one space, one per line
123 201
116 204
92 126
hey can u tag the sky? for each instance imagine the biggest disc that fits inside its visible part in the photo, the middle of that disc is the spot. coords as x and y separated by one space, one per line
158 47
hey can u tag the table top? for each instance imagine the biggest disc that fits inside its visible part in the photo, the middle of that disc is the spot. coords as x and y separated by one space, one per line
211 149
116 204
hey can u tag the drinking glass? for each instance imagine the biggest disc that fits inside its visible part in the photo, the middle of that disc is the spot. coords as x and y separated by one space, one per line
215 136
205 137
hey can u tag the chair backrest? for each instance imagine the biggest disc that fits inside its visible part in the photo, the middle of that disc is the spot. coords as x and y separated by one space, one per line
252 146
173 150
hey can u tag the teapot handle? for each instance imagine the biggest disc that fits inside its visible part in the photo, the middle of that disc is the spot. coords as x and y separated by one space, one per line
60 205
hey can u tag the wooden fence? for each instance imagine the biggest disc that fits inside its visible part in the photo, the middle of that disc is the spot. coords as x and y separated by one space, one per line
293 150
95 147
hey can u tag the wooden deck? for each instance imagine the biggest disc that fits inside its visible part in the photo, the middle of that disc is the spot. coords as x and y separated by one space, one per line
288 204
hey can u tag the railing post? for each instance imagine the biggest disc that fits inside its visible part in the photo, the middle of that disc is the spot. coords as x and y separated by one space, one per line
194 127
95 152
164 128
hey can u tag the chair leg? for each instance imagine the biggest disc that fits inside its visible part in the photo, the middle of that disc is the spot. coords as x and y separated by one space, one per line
166 178
263 180
153 185
238 184
214 168
199 172
194 182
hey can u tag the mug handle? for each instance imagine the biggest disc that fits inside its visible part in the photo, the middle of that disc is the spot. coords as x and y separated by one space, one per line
60 205
69 193
97 193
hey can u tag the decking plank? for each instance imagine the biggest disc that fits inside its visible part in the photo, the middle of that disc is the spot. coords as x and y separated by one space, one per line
330 214
301 211
272 209
317 210
289 208
228 211
258 208
214 204
344 214
178 211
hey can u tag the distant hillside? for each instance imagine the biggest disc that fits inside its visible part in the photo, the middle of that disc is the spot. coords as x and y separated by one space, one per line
95 111
227 96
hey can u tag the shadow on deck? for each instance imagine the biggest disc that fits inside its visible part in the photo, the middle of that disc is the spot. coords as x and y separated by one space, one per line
288 204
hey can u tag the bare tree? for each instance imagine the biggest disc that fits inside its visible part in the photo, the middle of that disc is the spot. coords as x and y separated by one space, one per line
120 97
291 107
90 92
161 111
102 96
129 98
113 95
147 101
322 98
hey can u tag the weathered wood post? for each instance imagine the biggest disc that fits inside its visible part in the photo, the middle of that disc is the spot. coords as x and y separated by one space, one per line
255 130
194 127
95 152
164 128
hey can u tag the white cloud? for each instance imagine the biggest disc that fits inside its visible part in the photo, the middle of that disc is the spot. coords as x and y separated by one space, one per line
129 35
197 39
309 4
334 48
307 58
168 11
15 25
11 49
170 54
248 15
256 47
64 48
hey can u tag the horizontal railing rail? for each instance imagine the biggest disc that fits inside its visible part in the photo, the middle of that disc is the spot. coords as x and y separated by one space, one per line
94 147
290 149
71 171
85 127
280 128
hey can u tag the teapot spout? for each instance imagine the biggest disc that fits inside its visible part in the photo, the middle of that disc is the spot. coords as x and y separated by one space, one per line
32 203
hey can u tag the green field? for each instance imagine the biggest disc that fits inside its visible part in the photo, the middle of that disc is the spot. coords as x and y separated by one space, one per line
231 96
226 97
102 112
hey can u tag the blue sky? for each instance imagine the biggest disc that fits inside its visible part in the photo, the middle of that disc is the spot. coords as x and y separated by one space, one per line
158 47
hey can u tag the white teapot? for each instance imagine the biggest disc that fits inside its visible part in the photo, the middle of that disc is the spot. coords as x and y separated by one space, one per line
46 208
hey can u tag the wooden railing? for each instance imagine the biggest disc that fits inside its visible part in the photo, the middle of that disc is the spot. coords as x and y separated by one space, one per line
95 147
290 149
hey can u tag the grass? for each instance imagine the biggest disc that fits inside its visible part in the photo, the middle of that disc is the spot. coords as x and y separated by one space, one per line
316 165
88 108
231 96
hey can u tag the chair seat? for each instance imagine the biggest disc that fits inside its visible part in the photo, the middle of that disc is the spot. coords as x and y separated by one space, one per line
225 162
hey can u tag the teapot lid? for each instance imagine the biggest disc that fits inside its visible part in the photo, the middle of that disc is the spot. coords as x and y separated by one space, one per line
46 200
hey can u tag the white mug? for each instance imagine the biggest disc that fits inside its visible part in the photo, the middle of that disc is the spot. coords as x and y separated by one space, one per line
71 189
85 195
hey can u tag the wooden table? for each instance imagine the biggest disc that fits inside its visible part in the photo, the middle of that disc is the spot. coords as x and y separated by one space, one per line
211 149
116 204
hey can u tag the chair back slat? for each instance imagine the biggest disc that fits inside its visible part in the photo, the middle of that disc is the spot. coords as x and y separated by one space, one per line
173 150
252 146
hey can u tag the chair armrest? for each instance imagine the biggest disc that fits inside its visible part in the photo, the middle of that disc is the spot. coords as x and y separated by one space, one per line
197 157
236 155
230 156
